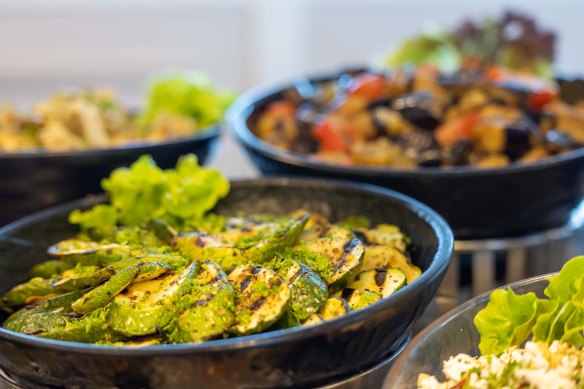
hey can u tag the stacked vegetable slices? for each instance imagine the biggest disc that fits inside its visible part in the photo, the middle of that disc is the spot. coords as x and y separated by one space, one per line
257 273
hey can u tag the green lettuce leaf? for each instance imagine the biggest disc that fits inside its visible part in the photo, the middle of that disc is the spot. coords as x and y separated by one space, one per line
509 319
435 48
567 284
506 320
186 94
144 192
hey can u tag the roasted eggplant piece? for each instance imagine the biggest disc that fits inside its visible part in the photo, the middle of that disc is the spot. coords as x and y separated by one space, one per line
263 298
417 109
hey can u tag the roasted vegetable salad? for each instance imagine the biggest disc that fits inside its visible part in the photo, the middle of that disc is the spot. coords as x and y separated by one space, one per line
142 272
407 119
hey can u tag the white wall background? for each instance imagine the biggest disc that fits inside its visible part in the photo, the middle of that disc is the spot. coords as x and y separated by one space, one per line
239 43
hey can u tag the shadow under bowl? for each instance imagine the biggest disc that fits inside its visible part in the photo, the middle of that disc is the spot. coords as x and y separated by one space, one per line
300 356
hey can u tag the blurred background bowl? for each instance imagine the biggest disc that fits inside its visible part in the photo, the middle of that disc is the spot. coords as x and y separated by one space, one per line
452 334
36 180
311 356
477 203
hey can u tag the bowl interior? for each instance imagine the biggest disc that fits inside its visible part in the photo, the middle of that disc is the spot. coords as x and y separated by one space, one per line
452 334
24 243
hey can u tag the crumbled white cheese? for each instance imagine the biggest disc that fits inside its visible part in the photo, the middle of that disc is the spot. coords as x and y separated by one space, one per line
537 365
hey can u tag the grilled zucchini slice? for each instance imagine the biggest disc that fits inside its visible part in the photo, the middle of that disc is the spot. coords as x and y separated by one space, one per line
33 290
90 328
82 252
58 304
385 234
208 311
383 256
383 281
359 298
146 306
263 298
308 291
334 307
236 247
344 254
49 269
316 226
103 294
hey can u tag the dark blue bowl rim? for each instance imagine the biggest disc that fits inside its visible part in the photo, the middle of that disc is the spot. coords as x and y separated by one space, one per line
437 267
208 133
447 317
240 111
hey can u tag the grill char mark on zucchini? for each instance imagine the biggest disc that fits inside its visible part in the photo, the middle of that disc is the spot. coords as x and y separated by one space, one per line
262 302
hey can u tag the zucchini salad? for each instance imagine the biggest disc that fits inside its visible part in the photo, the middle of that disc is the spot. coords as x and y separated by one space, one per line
186 275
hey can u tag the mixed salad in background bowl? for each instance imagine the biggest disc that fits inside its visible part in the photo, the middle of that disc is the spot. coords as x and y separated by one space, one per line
176 106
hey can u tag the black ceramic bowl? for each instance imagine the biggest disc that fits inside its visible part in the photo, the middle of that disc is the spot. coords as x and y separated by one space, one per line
32 181
450 335
477 203
293 357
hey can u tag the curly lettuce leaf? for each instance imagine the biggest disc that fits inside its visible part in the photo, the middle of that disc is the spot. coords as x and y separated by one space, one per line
100 215
567 284
431 48
506 320
145 192
186 94
509 319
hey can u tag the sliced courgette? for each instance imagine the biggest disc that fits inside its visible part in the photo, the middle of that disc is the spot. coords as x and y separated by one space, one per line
263 298
308 291
383 256
93 253
344 254
82 277
383 281
359 298
233 248
58 304
104 293
33 290
90 328
49 269
208 311
385 234
146 306
334 307
315 227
